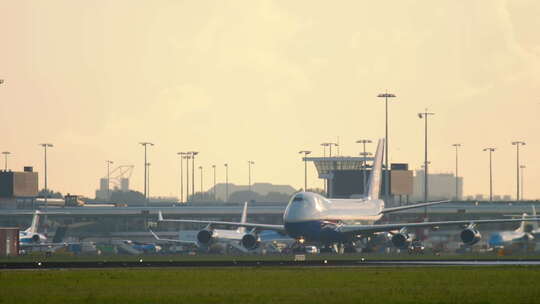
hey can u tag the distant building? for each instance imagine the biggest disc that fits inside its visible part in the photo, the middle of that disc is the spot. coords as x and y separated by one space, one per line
440 185
103 194
260 188
347 176
18 188
118 181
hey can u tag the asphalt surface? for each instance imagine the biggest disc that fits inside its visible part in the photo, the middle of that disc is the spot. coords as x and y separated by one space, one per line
318 263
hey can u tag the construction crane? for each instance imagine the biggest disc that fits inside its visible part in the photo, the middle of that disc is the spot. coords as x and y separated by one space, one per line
120 173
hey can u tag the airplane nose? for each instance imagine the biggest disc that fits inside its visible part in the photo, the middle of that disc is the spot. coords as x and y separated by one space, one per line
300 210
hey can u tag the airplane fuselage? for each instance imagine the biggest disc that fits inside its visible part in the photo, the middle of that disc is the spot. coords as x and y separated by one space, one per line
26 237
313 218
508 238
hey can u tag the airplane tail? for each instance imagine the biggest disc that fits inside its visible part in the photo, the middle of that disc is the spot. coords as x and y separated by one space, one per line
527 226
60 234
535 223
243 220
374 186
35 223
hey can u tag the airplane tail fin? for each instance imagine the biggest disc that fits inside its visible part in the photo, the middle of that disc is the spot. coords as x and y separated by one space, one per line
527 226
243 220
60 234
374 186
35 223
534 224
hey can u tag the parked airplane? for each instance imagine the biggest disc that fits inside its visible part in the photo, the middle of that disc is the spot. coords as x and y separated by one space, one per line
209 235
524 234
136 248
31 235
314 219
31 239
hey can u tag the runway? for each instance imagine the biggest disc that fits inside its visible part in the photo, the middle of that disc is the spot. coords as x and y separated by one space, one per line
263 263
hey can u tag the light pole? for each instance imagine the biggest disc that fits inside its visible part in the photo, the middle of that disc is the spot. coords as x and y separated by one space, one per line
6 153
181 175
145 145
517 144
187 157
522 167
364 154
45 146
306 153
457 175
214 169
324 145
250 162
329 145
425 115
193 153
201 168
226 182
386 95
364 167
148 182
109 162
490 150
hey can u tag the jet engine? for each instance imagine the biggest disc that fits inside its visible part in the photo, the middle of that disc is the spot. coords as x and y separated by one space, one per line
470 236
35 238
250 241
205 236
401 240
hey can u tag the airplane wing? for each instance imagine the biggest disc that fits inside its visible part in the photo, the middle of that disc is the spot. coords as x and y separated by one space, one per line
47 245
239 224
363 229
173 240
395 209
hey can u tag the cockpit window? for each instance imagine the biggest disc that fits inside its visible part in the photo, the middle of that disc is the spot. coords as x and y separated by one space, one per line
298 198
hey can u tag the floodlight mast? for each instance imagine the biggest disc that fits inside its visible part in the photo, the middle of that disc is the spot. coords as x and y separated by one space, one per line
522 167
45 146
490 150
250 162
386 95
145 145
517 144
182 154
306 153
364 155
201 168
214 169
109 162
193 153
424 115
226 182
187 157
457 175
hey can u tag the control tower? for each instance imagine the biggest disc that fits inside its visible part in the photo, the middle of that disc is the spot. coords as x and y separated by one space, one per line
346 177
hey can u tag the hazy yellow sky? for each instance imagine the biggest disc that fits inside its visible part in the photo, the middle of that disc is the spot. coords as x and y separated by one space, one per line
261 80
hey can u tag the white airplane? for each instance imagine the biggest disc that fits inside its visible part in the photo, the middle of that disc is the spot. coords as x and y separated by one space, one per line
32 239
525 233
315 219
209 235
31 236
